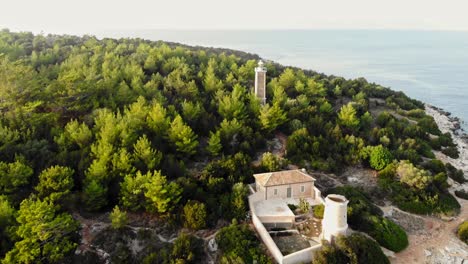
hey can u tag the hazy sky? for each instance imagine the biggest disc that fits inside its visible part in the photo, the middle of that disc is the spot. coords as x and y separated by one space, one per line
87 16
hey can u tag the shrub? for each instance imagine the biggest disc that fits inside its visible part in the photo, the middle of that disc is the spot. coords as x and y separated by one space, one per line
271 162
293 207
330 254
454 174
304 205
354 249
415 207
447 205
380 157
187 249
239 244
429 125
435 166
388 234
361 249
195 215
118 218
446 140
413 176
462 194
319 210
463 232
451 152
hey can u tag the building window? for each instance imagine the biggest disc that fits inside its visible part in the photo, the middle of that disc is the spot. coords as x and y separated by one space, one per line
276 191
302 188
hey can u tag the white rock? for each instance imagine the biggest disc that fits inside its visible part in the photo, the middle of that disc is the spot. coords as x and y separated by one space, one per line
212 245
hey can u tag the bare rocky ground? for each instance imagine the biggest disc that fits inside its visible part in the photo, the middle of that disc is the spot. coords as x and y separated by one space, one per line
432 240
143 235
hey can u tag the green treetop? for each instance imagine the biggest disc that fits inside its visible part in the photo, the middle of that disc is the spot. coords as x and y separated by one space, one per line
45 235
182 136
348 118
55 182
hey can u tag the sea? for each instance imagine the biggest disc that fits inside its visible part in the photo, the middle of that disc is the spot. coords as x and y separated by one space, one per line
431 66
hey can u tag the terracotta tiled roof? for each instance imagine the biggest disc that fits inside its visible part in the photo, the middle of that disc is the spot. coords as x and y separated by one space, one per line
282 177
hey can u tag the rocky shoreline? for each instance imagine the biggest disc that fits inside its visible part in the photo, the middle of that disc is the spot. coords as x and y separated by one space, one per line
450 248
452 125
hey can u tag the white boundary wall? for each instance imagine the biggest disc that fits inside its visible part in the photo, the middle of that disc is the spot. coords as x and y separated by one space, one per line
302 256
266 238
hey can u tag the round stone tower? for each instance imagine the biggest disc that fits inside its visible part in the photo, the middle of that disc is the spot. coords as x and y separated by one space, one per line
335 220
260 82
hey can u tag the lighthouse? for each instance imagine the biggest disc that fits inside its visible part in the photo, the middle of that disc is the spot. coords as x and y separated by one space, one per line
260 82
335 220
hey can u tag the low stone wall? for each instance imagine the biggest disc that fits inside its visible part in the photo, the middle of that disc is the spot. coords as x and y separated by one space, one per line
302 256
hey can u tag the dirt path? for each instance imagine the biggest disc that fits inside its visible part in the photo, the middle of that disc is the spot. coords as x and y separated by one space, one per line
439 235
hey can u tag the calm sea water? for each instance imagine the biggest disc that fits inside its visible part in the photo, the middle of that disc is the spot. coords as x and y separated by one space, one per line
431 66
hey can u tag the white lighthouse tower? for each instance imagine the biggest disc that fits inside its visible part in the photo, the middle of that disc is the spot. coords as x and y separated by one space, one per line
260 82
335 220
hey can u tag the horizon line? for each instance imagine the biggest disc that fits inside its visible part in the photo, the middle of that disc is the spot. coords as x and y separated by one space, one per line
114 30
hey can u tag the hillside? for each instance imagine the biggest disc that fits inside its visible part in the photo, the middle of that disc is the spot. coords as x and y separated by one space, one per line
165 137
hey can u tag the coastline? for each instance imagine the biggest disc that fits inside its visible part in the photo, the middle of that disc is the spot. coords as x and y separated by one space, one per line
437 241
452 125
446 247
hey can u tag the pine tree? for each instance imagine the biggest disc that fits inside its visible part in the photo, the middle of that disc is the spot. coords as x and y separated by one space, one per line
118 218
182 136
55 182
146 154
214 144
347 117
95 196
44 234
272 117
162 196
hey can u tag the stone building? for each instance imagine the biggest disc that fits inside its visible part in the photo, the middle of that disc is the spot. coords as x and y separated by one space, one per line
270 202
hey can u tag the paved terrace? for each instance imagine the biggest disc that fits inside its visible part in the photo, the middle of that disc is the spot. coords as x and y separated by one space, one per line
279 207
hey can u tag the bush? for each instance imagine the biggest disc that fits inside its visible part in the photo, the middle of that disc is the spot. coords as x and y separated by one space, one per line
330 254
462 194
195 215
380 157
238 244
454 174
463 232
293 207
271 162
446 140
361 249
354 249
118 218
304 205
187 249
451 152
435 166
427 203
319 210
415 207
429 125
447 205
388 234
